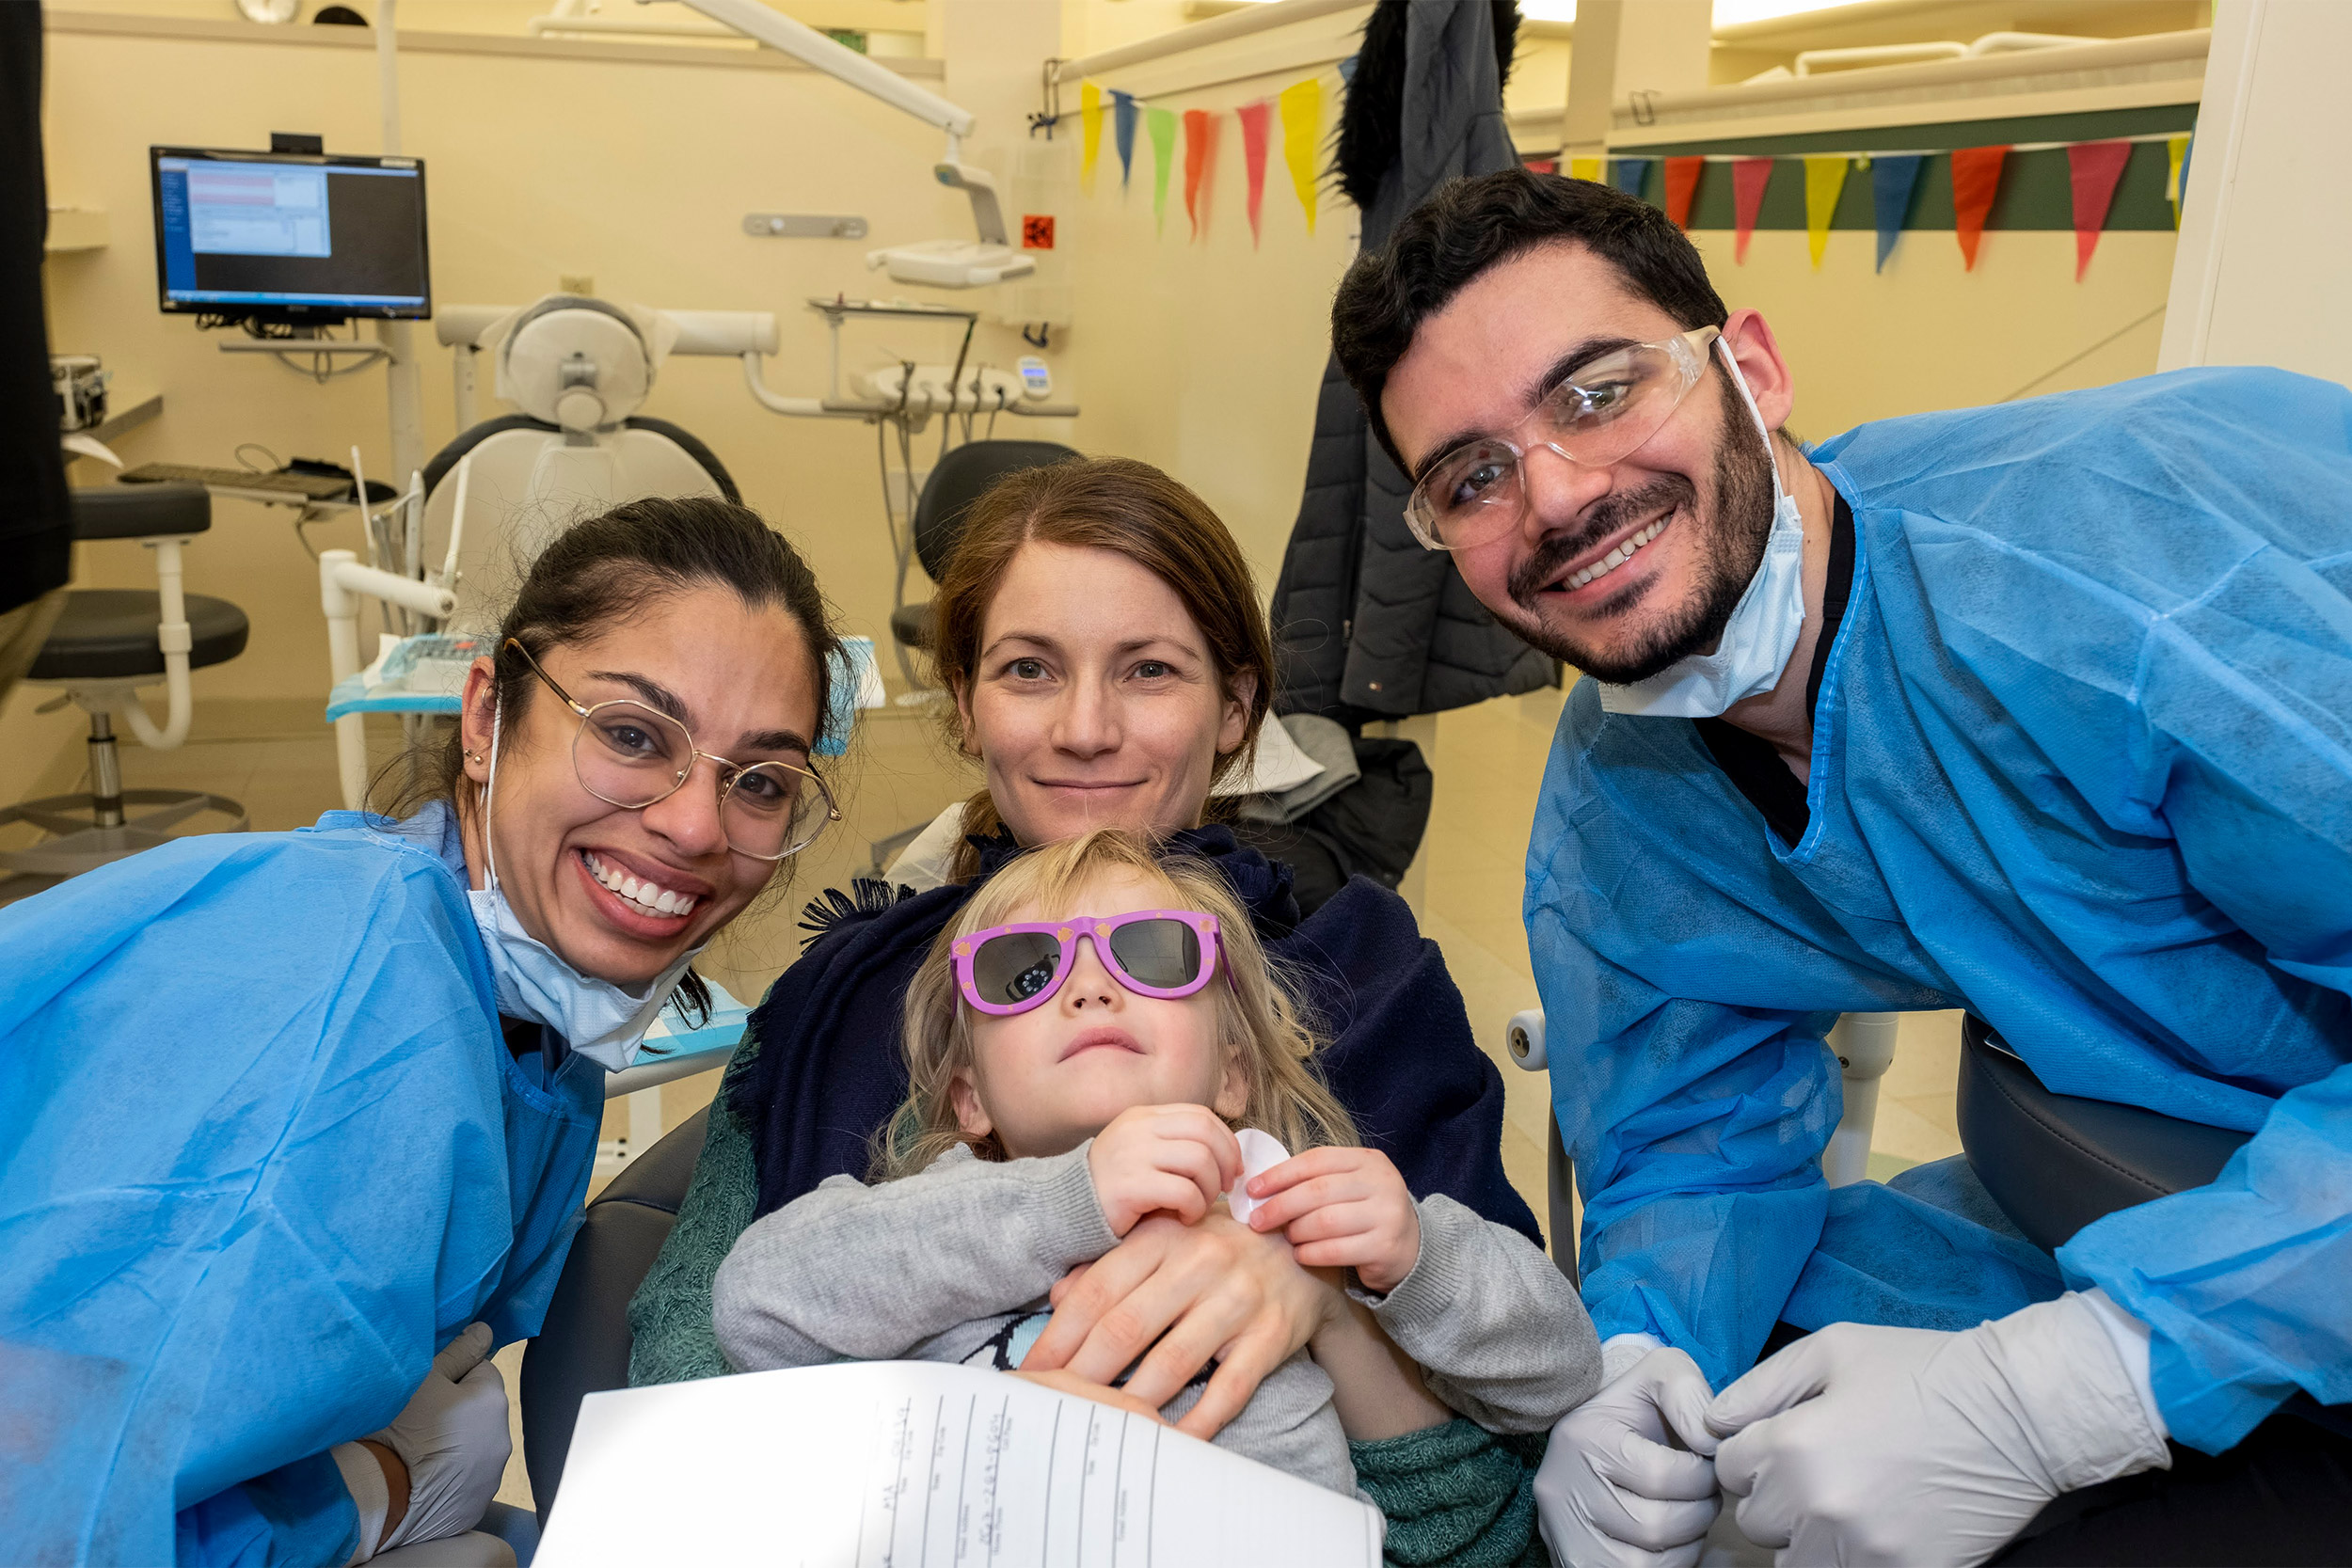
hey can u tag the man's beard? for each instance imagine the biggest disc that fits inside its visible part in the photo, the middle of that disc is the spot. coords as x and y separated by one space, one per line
1735 526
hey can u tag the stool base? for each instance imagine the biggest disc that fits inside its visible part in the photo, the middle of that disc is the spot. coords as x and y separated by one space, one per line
77 844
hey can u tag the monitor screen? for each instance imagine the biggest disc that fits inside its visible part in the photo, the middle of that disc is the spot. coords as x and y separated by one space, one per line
290 236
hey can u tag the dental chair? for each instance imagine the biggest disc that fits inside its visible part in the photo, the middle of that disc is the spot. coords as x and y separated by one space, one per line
578 370
105 645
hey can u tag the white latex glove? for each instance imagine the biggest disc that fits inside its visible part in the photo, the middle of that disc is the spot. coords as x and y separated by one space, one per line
454 1438
1905 1445
1612 1493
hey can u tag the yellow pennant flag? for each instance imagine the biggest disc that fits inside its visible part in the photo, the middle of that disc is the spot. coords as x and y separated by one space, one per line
1824 179
2176 167
1091 128
1301 108
1584 168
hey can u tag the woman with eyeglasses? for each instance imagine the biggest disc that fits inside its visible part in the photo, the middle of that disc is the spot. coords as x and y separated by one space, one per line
298 1125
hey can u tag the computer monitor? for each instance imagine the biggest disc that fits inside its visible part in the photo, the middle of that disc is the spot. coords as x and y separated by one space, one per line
301 238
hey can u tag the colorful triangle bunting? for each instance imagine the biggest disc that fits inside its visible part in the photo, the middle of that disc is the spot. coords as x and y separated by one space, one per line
1975 176
1629 174
1824 182
2092 168
1584 168
1749 176
1091 128
1123 132
1253 148
1682 187
2176 173
1199 164
1301 106
1893 179
1161 124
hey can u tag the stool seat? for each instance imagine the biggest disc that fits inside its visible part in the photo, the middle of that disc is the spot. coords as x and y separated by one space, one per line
2056 1162
109 634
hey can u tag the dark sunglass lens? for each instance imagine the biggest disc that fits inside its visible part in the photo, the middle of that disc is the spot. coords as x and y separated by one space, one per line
1011 968
1163 954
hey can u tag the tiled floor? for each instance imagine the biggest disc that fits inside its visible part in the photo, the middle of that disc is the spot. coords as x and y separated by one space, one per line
1488 762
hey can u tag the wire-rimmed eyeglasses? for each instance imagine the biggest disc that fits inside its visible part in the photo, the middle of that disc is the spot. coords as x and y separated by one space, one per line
631 755
1607 410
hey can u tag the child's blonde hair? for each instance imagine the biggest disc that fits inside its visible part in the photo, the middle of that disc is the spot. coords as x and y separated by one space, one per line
1258 1019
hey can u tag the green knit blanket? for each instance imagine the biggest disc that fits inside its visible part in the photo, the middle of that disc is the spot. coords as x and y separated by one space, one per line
1455 1494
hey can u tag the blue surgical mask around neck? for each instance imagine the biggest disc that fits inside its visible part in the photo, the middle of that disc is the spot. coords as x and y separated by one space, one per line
595 1017
1762 631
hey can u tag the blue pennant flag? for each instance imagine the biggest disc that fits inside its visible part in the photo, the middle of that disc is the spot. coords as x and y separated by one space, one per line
1891 180
1123 128
1627 174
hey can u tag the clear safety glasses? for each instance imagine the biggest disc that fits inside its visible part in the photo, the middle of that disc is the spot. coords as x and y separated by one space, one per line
1003 969
1475 492
633 755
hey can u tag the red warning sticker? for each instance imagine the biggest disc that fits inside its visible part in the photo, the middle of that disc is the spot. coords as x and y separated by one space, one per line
1037 231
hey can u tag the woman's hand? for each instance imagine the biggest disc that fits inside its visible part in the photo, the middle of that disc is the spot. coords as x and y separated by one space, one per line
1214 1290
1343 1209
1176 1159
1063 1381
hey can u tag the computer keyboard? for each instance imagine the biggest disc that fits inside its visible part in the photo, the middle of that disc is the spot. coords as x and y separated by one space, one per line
317 487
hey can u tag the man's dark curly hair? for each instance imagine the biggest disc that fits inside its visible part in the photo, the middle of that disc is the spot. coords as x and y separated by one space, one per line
1480 222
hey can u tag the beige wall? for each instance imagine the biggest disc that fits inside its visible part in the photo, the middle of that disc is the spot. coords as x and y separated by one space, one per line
1927 334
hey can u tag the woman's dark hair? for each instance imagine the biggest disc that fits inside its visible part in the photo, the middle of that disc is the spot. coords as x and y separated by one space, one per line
1130 509
1474 224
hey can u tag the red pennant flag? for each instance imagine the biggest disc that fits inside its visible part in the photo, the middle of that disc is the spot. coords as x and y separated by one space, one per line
2093 166
1253 130
1749 176
1976 175
1200 160
1682 183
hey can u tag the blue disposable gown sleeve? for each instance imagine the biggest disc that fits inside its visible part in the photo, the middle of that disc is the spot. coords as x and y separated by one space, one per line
297 1514
255 1184
1697 1131
2238 730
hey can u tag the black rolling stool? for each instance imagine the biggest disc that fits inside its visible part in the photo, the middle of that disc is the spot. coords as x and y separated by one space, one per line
106 643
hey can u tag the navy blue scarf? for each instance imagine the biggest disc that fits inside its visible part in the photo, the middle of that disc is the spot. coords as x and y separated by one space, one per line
1401 1059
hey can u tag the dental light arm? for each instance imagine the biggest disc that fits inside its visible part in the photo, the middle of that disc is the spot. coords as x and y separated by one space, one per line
951 264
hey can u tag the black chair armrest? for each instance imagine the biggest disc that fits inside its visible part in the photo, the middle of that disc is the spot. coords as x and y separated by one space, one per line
141 511
583 1344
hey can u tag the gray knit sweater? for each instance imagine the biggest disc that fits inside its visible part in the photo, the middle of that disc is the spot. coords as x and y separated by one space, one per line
954 1264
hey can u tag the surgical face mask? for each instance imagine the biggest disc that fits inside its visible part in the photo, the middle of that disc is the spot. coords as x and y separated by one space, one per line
595 1018
1762 631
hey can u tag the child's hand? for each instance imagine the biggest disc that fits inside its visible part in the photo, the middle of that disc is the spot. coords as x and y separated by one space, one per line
1152 1158
1342 1208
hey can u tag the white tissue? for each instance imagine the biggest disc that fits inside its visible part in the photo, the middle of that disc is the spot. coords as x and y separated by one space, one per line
1259 1153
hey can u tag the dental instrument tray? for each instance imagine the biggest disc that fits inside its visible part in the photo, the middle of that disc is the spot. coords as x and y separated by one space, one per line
411 675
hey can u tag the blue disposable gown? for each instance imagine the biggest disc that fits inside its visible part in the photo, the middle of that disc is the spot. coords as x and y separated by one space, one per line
265 1151
2082 763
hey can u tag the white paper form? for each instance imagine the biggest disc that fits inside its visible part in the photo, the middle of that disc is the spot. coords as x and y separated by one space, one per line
910 1464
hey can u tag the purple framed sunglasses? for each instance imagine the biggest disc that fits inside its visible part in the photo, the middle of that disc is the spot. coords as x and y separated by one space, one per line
1004 970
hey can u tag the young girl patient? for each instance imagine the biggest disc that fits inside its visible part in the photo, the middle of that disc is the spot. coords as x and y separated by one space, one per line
1081 1044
